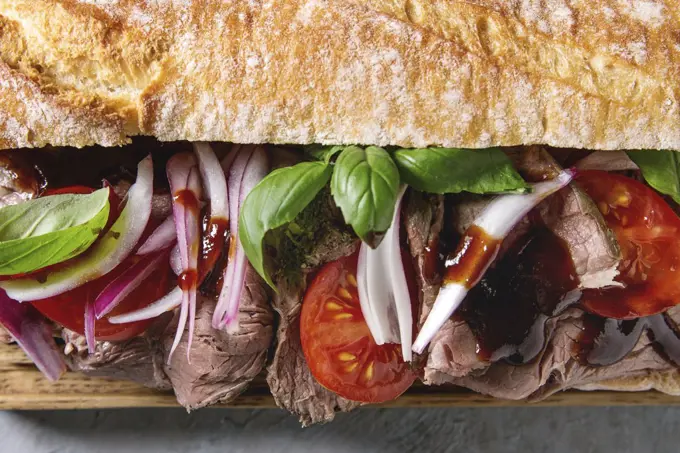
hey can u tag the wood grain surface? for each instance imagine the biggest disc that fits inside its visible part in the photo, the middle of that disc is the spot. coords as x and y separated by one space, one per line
23 387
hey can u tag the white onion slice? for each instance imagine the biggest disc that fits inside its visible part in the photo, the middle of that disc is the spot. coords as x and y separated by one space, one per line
33 334
161 238
166 303
383 290
497 220
107 253
253 171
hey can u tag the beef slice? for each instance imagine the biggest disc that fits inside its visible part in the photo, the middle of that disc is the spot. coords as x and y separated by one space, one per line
139 359
289 378
572 217
222 364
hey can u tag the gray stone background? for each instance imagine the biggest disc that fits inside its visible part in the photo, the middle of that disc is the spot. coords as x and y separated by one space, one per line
633 429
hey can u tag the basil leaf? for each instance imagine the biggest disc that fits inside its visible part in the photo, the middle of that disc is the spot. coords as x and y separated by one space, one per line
275 201
661 170
453 170
49 230
365 185
321 152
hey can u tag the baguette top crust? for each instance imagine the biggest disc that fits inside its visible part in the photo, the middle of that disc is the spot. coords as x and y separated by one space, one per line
597 74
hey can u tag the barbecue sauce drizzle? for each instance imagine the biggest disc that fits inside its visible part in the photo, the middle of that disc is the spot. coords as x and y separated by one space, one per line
510 308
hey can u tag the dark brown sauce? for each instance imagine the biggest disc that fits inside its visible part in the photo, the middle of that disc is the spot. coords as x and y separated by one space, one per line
476 251
188 279
605 341
214 239
432 259
187 199
509 308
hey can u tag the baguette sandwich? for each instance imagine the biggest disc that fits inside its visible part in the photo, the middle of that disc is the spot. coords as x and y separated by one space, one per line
349 195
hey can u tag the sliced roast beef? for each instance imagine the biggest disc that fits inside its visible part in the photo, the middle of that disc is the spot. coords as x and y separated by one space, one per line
222 364
558 366
290 380
139 359
569 215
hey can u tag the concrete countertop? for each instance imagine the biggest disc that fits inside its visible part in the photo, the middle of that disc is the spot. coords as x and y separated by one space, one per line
528 430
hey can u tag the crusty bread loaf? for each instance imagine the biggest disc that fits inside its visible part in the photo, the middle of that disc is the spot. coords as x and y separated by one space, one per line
599 74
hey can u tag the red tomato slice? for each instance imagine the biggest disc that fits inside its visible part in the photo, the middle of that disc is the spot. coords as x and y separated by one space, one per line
68 309
648 231
70 189
337 344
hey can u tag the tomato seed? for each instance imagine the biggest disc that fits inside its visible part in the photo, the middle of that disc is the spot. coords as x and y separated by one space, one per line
343 293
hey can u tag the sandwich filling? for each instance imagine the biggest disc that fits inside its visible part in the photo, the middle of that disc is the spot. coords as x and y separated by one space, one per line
385 266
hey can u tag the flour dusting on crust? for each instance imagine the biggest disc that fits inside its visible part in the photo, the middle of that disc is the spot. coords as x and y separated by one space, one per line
601 74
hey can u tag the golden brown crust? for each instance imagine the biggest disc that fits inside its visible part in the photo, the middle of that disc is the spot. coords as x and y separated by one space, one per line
472 73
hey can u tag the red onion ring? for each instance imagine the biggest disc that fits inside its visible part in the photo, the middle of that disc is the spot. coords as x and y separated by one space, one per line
176 261
166 303
185 186
107 253
214 181
89 327
226 310
121 287
161 238
33 334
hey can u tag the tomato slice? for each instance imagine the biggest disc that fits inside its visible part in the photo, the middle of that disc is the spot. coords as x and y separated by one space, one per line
647 230
70 189
68 309
338 345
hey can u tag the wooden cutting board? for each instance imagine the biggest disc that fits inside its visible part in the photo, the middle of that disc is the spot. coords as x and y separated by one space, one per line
23 387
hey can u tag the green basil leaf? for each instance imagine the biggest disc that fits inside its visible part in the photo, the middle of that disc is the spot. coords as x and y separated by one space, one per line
50 230
322 152
661 170
275 201
365 186
453 170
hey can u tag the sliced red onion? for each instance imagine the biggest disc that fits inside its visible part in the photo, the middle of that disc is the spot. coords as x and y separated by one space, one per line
214 180
128 281
176 261
215 184
185 186
107 253
239 160
161 238
89 327
607 161
228 160
173 299
166 303
383 290
33 334
498 218
254 170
